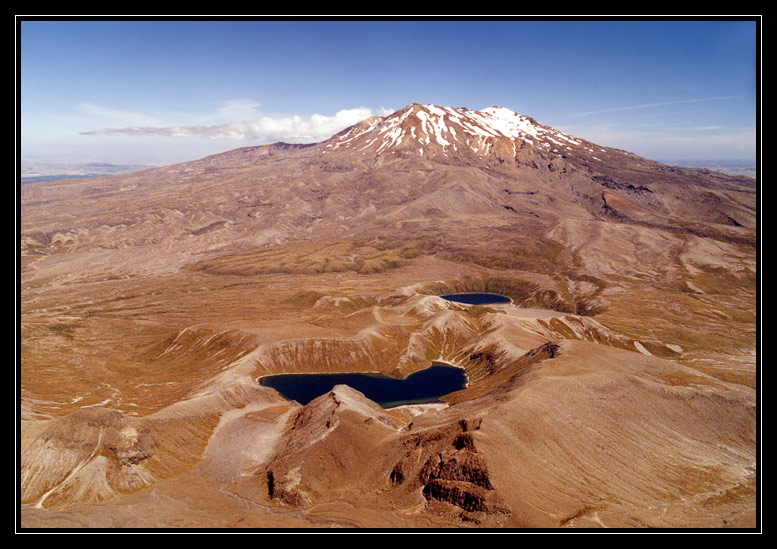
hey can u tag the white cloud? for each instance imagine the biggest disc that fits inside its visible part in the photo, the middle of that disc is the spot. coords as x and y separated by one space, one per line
280 128
650 105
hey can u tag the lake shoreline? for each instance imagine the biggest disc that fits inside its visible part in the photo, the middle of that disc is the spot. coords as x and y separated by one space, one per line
424 386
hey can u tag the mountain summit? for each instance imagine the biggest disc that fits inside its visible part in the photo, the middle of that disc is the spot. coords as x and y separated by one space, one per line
428 167
433 130
616 388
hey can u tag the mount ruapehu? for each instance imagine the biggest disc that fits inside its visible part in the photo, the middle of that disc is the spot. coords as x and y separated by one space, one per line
616 389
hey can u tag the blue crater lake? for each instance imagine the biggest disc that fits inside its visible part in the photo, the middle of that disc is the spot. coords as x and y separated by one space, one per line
476 298
424 386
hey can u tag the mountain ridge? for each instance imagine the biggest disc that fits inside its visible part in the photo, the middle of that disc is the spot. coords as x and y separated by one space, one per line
424 125
152 302
492 122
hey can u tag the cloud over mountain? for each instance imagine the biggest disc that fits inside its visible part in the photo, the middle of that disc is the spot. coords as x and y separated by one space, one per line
291 128
617 388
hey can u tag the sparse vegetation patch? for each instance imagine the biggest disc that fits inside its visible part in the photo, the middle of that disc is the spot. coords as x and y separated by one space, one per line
369 257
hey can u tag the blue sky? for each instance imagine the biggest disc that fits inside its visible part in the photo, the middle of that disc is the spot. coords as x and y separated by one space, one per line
159 92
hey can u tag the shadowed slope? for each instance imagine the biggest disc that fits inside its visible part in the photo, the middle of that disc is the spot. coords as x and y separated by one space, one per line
617 389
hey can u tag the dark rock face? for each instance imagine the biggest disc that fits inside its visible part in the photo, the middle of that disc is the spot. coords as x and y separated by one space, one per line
446 466
171 290
461 494
461 462
289 496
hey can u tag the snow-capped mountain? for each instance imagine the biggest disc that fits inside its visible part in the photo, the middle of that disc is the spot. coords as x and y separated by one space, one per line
421 166
431 130
152 302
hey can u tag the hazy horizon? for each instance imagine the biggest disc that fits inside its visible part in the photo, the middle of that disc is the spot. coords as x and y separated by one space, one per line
158 92
52 171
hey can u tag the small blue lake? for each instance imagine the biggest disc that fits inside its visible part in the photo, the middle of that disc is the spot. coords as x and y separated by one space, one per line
476 298
424 386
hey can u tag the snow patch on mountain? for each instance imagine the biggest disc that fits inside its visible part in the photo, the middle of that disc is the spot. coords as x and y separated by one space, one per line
417 127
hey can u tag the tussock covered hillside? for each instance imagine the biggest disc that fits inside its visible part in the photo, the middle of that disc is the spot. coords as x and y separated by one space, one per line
617 388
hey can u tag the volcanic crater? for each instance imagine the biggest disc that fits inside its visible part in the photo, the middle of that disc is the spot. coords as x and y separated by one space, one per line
616 388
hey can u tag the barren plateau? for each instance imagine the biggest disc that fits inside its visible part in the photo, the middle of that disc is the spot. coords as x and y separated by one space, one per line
617 389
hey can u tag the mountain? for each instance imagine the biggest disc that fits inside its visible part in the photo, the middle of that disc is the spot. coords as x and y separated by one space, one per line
152 302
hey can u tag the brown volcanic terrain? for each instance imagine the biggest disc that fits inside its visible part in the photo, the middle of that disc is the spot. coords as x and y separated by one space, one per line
618 389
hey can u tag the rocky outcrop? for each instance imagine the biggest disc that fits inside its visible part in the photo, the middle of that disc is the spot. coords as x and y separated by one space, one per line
88 456
164 294
445 465
327 440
